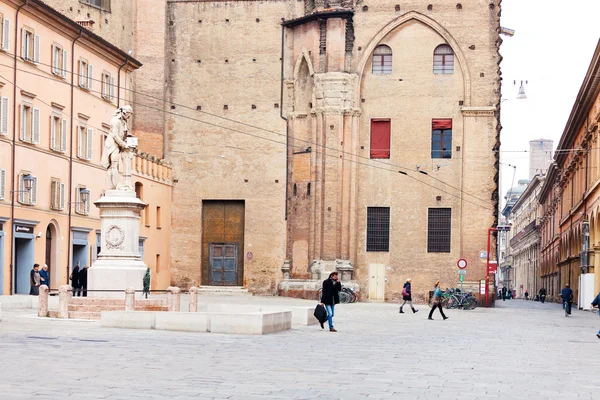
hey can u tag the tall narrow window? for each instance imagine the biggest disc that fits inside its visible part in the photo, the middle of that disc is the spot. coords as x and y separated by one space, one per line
108 84
30 45
57 195
158 218
443 60
59 61
5 34
378 229
158 263
30 124
85 74
4 111
441 138
439 229
58 133
382 60
85 142
2 184
380 138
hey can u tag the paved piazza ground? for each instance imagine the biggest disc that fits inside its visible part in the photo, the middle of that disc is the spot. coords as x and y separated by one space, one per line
519 349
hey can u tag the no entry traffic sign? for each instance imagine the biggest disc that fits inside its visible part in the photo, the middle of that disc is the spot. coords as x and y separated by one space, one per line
461 263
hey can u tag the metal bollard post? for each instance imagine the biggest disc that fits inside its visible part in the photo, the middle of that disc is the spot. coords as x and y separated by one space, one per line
193 299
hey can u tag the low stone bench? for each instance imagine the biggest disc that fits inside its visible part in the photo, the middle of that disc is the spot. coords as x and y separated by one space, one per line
300 315
240 322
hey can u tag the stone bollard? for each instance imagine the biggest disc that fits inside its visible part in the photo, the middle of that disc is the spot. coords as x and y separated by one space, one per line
64 293
174 298
43 301
193 299
130 299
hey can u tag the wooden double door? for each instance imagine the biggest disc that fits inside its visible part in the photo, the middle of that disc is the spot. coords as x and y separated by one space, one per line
223 242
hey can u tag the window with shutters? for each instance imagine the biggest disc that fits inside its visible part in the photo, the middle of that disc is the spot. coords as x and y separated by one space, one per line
85 142
441 138
378 229
59 61
439 229
27 197
81 208
108 86
58 133
5 33
30 45
30 124
57 195
4 114
380 138
2 184
443 60
382 60
85 74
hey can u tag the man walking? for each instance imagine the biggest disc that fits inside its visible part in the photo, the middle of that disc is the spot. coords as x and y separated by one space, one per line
542 295
567 299
330 297
503 293
34 280
596 303
83 281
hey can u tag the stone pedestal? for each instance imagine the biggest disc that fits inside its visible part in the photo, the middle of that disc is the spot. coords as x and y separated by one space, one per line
119 264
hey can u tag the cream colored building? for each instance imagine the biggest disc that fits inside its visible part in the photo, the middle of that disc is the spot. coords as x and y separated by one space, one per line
59 85
269 116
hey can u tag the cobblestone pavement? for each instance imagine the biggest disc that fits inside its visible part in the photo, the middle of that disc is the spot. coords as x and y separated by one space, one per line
519 349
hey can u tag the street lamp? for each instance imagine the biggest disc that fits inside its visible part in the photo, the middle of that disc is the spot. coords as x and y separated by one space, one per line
27 183
85 195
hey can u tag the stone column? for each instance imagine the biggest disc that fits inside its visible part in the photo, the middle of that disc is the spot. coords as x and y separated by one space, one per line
130 299
43 301
64 294
174 298
193 299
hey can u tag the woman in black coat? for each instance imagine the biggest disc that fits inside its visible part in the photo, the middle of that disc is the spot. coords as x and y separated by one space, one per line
75 281
407 296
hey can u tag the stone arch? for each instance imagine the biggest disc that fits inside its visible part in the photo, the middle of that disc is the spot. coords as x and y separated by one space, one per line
410 16
303 84
303 57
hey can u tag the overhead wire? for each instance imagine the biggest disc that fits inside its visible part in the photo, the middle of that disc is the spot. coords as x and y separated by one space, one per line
268 139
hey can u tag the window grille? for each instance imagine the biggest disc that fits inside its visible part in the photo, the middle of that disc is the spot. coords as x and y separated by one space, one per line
439 229
101 4
378 229
382 60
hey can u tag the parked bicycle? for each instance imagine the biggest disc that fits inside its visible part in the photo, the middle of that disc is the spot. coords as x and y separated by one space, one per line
347 295
454 298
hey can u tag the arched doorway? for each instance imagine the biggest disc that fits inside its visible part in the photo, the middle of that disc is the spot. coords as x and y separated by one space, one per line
52 255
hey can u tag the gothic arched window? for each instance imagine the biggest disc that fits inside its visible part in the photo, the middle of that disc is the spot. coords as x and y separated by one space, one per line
443 60
382 60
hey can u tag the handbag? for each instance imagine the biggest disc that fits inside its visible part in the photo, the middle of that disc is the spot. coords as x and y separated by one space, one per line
405 292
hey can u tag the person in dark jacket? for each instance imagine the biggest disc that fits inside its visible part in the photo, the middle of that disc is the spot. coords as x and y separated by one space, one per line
503 293
45 276
146 282
83 280
567 299
75 281
596 303
331 296
542 295
526 294
437 302
407 296
34 280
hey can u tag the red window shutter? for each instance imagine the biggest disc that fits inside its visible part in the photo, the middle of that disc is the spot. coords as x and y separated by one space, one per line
380 138
445 123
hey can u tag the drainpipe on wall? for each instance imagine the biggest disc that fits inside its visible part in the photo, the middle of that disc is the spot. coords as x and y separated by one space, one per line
14 153
71 153
286 125
119 81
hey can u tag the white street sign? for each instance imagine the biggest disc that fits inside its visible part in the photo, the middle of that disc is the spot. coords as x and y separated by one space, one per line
462 271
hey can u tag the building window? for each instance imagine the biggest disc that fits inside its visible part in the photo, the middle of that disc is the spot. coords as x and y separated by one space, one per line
59 61
27 197
83 209
30 124
108 87
378 229
380 138
439 229
4 111
85 74
158 218
441 138
382 60
58 133
443 60
57 195
85 142
101 4
5 33
30 45
2 184
158 263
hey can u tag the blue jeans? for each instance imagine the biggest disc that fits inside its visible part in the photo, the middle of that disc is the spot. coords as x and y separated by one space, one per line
599 316
330 313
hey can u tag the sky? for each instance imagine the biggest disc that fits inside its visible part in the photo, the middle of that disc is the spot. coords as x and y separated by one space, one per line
551 49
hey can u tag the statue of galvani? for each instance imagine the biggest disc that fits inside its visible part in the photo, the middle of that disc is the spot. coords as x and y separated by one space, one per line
118 148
